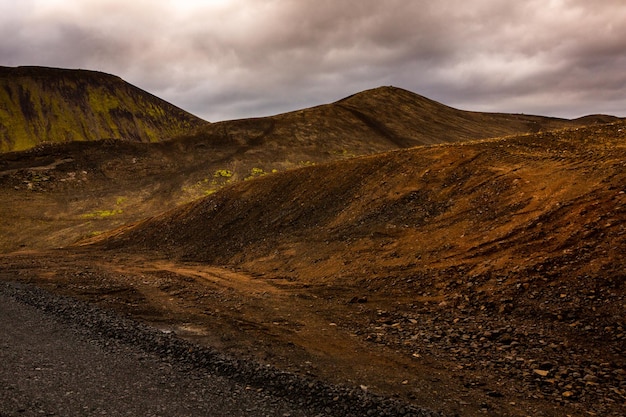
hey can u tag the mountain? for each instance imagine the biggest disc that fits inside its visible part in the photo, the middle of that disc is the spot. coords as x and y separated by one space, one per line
377 120
467 262
67 191
498 261
40 104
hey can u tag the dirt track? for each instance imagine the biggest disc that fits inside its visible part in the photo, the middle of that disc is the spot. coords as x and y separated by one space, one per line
344 336
60 357
50 367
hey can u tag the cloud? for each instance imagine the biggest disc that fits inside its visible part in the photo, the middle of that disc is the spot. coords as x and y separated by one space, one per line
242 58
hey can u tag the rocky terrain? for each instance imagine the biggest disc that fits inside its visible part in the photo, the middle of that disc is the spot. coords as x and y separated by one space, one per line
145 370
365 243
504 257
503 294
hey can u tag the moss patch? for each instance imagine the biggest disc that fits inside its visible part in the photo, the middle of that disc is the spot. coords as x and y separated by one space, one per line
48 105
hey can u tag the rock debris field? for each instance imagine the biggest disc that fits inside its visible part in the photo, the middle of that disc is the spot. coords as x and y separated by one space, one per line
63 357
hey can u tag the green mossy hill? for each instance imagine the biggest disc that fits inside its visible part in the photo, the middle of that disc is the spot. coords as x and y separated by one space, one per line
59 105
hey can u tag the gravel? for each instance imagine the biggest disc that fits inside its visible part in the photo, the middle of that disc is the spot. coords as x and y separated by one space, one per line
150 371
547 359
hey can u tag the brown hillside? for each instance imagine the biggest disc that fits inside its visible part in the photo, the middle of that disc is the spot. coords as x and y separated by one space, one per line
57 194
377 120
409 119
496 266
40 104
493 192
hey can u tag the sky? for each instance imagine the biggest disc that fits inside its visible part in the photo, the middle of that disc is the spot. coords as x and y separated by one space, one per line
228 59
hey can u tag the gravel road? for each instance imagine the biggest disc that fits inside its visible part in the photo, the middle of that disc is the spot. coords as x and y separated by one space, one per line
62 357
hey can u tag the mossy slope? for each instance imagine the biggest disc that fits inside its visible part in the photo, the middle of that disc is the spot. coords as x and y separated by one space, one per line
58 105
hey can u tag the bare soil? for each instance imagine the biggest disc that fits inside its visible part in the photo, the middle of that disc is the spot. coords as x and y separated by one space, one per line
468 361
477 278
53 365
483 277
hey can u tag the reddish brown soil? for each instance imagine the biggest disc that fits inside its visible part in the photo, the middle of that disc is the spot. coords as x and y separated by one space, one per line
483 278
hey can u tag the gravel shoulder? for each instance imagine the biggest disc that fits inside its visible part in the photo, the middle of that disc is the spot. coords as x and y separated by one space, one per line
63 357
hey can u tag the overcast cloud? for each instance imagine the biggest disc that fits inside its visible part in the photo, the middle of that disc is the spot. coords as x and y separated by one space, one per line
228 59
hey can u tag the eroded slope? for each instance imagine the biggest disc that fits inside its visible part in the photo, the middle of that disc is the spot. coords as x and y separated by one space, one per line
56 194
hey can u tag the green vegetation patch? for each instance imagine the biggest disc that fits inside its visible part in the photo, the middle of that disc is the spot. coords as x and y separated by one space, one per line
102 214
207 186
254 173
223 173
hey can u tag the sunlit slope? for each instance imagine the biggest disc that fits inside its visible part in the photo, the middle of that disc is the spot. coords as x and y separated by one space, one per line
58 105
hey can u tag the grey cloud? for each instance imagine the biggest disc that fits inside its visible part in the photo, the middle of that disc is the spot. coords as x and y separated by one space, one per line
247 58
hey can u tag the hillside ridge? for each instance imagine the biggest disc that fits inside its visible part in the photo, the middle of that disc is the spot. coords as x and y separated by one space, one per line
309 184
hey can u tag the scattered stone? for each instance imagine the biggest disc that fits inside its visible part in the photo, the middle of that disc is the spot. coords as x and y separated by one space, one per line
358 300
108 329
546 366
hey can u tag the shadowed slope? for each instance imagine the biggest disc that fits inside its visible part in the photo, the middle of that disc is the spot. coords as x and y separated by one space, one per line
377 120
57 105
416 120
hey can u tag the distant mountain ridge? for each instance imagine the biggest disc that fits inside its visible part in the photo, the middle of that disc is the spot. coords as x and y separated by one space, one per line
39 104
372 121
415 119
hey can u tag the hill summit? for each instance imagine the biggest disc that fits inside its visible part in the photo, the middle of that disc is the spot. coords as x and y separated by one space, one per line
39 104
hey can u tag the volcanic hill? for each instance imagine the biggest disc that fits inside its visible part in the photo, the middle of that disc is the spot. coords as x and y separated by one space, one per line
39 104
497 263
468 262
58 193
